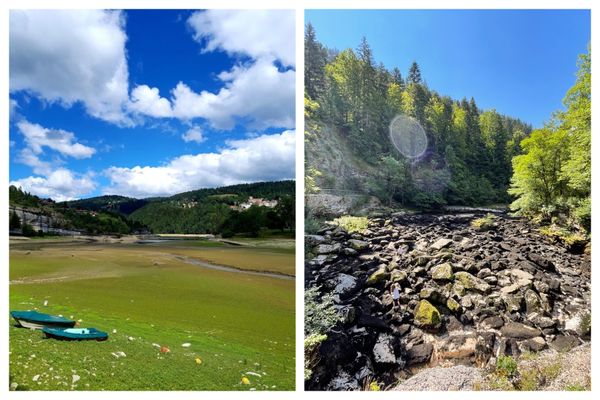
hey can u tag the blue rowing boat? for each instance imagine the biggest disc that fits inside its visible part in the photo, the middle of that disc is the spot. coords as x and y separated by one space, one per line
75 334
37 320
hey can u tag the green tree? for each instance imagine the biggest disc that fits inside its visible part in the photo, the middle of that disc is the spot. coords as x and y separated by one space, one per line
314 64
537 182
15 221
414 74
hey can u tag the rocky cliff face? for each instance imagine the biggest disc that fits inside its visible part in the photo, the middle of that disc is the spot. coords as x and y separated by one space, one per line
466 296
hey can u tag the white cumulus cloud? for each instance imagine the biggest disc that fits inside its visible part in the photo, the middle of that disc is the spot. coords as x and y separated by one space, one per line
263 158
70 56
37 137
259 94
194 134
257 33
59 185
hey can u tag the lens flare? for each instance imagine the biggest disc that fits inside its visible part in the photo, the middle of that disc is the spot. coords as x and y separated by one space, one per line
408 136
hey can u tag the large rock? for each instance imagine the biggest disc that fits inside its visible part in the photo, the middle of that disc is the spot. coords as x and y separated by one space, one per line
533 303
358 245
427 316
345 286
469 282
378 276
399 276
383 351
517 330
420 353
564 343
440 244
442 272
328 248
459 346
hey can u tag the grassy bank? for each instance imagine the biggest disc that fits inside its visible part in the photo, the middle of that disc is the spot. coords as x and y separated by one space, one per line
235 323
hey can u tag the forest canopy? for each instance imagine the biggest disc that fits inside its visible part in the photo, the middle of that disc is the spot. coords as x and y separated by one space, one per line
473 156
469 152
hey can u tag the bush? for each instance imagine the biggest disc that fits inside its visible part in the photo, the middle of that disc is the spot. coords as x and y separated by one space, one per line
319 314
506 366
484 224
28 230
352 224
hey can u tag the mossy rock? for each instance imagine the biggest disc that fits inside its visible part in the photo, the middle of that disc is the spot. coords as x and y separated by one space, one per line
442 272
427 316
453 305
399 276
470 282
378 276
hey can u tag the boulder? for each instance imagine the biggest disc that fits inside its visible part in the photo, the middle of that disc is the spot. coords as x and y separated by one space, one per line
533 303
378 276
493 322
420 353
398 276
564 342
442 272
427 316
453 305
383 351
328 248
440 244
345 286
358 245
469 282
517 330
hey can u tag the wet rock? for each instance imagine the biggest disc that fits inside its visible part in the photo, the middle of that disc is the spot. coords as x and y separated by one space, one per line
373 322
519 331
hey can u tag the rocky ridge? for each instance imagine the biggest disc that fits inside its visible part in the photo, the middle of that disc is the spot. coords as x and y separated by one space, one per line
467 296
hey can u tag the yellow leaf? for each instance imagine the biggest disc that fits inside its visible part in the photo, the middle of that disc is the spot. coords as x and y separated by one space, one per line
198 360
245 380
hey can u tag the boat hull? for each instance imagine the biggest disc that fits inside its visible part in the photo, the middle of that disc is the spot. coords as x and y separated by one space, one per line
75 334
35 320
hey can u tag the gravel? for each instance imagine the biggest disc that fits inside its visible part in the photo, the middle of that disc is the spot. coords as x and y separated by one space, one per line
459 377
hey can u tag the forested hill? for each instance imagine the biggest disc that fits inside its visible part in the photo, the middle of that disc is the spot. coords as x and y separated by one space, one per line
225 210
210 210
350 102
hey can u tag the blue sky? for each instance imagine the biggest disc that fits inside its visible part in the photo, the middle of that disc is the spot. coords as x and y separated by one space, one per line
520 62
150 102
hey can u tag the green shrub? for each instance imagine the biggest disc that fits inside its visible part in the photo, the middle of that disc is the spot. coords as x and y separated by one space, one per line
319 314
485 223
352 224
28 230
575 388
506 366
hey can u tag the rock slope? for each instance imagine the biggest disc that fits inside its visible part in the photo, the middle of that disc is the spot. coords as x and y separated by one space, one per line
466 296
